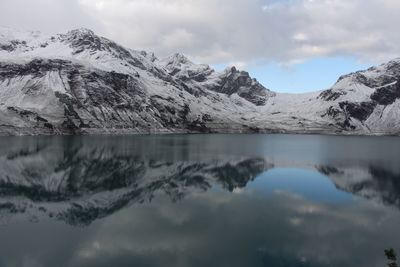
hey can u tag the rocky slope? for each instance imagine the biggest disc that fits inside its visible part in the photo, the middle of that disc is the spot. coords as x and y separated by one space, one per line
80 83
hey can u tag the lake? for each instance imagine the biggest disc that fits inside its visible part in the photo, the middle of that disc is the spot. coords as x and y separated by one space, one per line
199 200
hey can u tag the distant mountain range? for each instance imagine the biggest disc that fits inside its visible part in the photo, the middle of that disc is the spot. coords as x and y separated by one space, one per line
81 83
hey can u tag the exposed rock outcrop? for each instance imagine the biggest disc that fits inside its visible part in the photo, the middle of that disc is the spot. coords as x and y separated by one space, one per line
81 83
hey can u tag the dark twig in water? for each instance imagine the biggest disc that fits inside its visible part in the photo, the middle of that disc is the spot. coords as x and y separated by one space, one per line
391 256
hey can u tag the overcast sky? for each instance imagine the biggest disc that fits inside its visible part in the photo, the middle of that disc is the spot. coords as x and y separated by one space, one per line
284 43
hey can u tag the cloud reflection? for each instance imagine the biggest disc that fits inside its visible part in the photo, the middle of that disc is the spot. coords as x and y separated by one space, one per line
195 201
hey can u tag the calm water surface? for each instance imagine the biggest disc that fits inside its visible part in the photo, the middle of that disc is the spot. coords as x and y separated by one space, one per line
199 200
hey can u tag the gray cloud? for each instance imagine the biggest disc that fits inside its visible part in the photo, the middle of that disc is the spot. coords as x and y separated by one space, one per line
50 16
221 31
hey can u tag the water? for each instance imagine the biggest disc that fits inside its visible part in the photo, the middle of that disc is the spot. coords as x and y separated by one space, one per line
199 200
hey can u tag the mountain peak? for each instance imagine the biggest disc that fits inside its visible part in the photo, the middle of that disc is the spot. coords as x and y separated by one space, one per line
81 31
176 59
80 82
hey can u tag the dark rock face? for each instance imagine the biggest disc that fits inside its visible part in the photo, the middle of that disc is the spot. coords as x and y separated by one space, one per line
229 82
332 112
347 111
12 45
97 99
36 68
34 117
240 82
360 78
360 111
82 95
182 68
384 75
387 95
330 95
85 40
6 47
384 80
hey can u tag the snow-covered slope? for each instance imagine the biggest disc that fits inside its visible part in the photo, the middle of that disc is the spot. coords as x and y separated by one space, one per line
78 82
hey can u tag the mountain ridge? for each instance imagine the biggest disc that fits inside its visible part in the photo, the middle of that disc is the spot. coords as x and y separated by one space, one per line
81 83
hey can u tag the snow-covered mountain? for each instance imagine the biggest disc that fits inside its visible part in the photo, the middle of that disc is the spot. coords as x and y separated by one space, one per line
78 82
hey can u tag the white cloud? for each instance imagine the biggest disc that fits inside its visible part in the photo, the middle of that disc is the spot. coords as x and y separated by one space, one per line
50 16
179 38
220 31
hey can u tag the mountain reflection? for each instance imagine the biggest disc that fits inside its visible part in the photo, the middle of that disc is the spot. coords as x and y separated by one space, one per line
372 182
78 180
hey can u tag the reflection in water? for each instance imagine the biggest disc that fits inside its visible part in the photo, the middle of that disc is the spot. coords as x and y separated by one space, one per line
206 200
373 182
79 183
392 257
